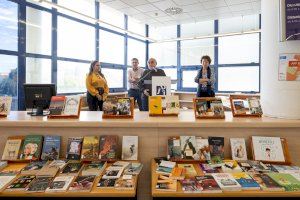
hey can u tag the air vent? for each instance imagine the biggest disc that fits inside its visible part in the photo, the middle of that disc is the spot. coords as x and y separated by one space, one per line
173 10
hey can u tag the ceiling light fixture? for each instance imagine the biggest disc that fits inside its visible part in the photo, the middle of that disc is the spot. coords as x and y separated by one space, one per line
173 10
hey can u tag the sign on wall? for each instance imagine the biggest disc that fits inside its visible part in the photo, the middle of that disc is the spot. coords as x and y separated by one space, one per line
292 19
289 67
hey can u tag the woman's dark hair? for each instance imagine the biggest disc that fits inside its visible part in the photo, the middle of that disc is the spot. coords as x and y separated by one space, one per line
93 63
206 57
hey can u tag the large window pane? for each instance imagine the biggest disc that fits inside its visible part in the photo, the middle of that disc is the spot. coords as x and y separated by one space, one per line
9 78
238 79
172 72
71 77
239 49
8 25
111 16
111 48
86 7
239 24
114 77
193 50
136 49
38 31
38 70
165 32
75 40
136 26
197 29
165 53
188 79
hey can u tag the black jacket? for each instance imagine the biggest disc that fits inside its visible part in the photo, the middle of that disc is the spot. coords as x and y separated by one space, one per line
147 76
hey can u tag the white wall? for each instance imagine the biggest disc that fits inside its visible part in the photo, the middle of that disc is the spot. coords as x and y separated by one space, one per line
279 98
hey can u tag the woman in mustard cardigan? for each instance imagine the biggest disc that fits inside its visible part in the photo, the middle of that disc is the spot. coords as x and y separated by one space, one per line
97 89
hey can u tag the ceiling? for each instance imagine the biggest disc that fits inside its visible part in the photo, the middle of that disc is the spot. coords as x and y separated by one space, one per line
152 11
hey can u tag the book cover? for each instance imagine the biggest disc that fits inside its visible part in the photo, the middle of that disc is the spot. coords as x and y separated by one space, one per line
21 184
201 107
188 146
254 166
113 172
12 148
124 106
217 108
289 182
48 171
238 149
208 184
267 149
216 146
123 164
246 181
13 169
161 85
106 183
227 182
5 180
59 163
110 106
33 167
3 164
255 106
208 169
125 184
189 169
90 148
190 186
134 169
231 166
72 105
266 183
172 104
57 105
32 147
60 184
39 184
164 183
74 148
108 147
174 148
82 184
239 106
203 149
286 168
5 105
178 173
95 168
72 168
155 105
51 147
130 148
165 167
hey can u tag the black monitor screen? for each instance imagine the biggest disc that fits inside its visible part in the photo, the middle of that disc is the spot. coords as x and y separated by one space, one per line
38 95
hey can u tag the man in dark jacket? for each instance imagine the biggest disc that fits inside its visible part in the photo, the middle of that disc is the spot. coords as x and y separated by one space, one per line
145 82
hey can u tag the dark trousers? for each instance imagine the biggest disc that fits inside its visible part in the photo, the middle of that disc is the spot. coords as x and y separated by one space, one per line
94 103
205 93
136 94
145 104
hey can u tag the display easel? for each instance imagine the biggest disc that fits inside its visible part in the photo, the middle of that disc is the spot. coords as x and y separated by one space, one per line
131 116
207 99
242 97
67 116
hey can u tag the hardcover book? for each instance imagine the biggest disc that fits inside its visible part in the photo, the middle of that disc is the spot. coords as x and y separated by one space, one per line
90 148
239 106
72 105
5 105
227 182
289 182
12 148
39 184
165 167
113 172
13 169
93 169
155 105
254 106
60 184
106 183
124 106
20 184
125 184
82 184
108 147
57 105
51 147
110 106
203 149
5 180
33 167
267 149
201 107
266 183
238 149
130 148
208 184
190 186
74 148
216 146
190 170
32 147
246 181
172 104
134 169
174 148
188 146
164 183
72 169
217 108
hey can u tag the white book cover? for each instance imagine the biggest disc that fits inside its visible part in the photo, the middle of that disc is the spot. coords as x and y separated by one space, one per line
238 149
168 164
113 173
296 175
121 164
5 105
172 104
227 182
72 105
188 146
60 184
203 148
161 86
267 149
5 180
130 148
58 163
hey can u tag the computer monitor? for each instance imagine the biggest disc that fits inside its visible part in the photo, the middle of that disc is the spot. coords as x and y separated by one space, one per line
38 96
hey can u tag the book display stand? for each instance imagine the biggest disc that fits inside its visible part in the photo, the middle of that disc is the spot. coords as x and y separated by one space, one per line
117 116
243 111
62 116
205 108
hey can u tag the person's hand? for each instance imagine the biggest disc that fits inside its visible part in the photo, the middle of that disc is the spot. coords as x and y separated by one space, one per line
146 92
104 97
99 97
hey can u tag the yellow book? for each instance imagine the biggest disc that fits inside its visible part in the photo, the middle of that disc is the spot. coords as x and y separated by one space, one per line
190 169
155 105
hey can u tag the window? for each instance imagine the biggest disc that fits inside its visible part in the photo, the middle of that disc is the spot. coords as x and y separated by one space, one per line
71 77
188 79
193 50
38 70
75 40
238 79
136 26
111 48
165 32
172 72
38 31
239 49
165 53
9 78
8 25
136 49
111 16
239 24
114 77
197 29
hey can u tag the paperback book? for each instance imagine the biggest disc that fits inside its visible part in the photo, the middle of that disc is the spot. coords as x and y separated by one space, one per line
82 184
178 173
57 105
93 169
238 149
190 170
90 148
155 105
172 104
174 148
130 148
289 182
188 147
231 166
72 169
13 169
74 148
39 184
60 184
201 107
190 186
72 105
32 147
33 167
58 163
108 147
12 148
216 146
125 184
239 106
208 184
246 181
165 167
164 183
227 182
5 105
48 171
255 106
266 183
134 169
5 180
51 147
113 172
216 107
20 184
106 183
203 149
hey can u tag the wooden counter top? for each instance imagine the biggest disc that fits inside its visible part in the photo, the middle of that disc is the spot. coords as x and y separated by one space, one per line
142 119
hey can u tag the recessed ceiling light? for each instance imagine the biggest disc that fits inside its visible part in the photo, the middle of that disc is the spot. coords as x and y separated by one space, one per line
173 10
